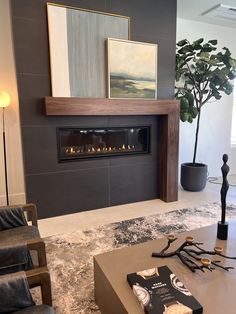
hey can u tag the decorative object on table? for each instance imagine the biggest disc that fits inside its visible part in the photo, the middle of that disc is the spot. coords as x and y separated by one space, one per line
132 69
201 74
4 102
192 257
160 291
77 42
222 227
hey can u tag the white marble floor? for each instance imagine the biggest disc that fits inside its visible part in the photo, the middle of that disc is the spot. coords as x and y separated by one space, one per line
87 219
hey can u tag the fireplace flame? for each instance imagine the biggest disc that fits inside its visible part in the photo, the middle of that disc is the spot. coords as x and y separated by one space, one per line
93 150
70 150
76 143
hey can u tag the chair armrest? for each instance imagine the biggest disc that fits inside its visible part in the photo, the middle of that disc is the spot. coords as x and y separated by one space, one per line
31 212
29 209
41 277
38 245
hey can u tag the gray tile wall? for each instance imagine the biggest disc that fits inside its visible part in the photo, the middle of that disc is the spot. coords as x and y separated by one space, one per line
63 188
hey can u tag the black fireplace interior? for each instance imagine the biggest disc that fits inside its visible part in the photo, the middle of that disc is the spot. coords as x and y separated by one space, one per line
76 143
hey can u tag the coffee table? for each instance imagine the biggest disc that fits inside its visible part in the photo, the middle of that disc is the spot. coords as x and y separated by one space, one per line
214 290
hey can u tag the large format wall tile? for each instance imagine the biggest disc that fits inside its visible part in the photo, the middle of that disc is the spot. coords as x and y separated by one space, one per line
33 89
166 89
31 46
133 183
68 192
147 17
36 9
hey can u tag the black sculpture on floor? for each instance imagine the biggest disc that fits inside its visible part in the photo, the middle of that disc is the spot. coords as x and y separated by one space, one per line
222 228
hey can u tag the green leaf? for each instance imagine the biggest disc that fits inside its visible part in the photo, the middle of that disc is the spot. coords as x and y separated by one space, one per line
232 62
204 56
228 88
181 43
208 48
193 111
184 104
212 86
232 75
190 99
197 47
184 50
184 116
216 94
199 41
213 42
227 52
201 66
213 61
190 119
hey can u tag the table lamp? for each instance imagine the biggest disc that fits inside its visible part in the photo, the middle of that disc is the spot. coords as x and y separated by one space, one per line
4 102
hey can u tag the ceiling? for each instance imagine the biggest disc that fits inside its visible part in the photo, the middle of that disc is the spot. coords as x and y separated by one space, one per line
198 10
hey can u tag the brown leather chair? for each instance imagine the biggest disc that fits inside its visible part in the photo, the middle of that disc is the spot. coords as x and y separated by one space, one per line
15 295
19 228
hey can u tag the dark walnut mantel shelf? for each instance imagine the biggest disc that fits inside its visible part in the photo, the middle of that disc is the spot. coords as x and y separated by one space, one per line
167 111
74 106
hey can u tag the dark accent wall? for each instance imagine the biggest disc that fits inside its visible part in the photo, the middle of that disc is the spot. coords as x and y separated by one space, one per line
63 188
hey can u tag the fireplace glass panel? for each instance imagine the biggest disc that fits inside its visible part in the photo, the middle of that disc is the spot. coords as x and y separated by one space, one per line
74 143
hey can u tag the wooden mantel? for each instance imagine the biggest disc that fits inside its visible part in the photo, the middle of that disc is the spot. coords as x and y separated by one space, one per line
73 106
168 128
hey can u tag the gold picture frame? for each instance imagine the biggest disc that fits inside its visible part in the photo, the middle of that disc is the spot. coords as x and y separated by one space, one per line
132 69
77 39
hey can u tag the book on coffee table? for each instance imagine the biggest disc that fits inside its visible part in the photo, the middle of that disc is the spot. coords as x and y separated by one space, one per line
159 291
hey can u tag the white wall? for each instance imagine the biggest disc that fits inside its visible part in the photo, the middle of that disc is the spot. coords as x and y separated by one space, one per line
13 136
215 127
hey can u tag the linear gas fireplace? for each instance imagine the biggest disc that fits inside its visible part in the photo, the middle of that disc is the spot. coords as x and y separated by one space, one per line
76 143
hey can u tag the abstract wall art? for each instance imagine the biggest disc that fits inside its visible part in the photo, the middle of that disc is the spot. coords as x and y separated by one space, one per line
77 43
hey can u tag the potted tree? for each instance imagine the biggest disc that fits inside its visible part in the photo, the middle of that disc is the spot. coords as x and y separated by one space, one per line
201 74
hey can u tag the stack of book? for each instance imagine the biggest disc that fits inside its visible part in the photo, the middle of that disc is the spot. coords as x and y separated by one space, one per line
159 291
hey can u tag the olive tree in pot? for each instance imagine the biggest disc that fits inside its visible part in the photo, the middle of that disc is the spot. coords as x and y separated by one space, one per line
201 74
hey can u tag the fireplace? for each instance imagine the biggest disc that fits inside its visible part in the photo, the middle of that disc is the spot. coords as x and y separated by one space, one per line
80 143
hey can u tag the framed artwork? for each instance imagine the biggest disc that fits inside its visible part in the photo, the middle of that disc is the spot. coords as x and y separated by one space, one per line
77 42
132 69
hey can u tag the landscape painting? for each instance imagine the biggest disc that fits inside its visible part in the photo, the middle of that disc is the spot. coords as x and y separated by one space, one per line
132 69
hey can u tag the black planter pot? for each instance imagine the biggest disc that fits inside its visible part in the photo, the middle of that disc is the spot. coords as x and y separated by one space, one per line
193 176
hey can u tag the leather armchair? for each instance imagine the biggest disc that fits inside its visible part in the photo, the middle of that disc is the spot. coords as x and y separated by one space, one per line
15 295
18 235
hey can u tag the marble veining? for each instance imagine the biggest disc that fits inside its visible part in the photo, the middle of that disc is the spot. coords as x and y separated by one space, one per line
70 256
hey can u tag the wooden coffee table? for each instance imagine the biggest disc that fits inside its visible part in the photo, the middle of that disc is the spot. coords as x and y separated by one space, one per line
216 290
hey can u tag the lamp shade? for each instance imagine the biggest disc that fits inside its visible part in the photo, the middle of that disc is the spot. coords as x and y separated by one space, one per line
5 99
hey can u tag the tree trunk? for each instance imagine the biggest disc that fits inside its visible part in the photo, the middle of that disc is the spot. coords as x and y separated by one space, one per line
196 136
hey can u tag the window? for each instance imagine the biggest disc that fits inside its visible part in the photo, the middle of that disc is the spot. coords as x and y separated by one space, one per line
233 130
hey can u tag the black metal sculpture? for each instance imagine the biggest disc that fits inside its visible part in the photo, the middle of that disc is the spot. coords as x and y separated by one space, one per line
222 228
192 257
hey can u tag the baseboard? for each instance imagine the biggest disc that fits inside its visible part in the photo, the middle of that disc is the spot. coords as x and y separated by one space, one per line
17 198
